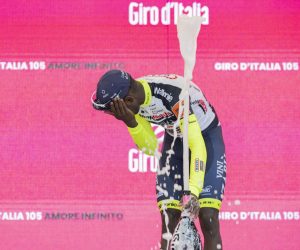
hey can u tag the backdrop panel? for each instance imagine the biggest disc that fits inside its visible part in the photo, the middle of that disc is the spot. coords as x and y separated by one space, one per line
71 177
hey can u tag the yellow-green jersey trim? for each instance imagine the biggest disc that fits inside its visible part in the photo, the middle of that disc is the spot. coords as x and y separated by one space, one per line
148 94
175 204
164 204
143 136
198 155
210 202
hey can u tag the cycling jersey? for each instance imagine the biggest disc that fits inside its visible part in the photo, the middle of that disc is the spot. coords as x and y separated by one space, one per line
166 92
163 95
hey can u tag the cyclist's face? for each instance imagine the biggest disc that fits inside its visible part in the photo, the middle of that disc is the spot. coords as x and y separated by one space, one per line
132 103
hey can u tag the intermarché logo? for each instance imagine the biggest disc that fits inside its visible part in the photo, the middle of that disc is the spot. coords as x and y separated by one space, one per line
139 14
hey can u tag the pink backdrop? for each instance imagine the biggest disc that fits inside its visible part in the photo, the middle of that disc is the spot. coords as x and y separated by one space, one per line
61 160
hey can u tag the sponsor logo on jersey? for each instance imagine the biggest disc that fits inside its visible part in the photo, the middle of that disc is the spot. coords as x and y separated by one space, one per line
221 167
201 104
175 109
163 115
199 165
206 190
168 76
163 93
160 119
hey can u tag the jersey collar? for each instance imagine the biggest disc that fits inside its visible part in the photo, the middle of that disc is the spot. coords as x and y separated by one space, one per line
148 94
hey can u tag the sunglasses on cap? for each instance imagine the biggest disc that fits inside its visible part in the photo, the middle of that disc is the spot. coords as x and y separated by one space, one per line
103 106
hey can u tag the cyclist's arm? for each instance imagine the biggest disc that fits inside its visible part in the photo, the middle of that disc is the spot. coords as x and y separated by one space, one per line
198 155
143 136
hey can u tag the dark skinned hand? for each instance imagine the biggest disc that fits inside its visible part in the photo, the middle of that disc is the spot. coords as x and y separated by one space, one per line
191 206
120 110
